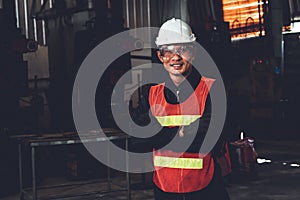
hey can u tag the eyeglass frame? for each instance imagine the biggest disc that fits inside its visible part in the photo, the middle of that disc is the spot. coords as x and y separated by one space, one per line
177 52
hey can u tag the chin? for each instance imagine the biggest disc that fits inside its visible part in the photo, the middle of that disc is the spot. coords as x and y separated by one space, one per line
179 73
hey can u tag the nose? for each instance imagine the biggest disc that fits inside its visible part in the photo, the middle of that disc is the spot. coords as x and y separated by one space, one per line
176 56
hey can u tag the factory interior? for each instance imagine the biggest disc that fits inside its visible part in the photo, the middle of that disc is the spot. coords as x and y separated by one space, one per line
255 45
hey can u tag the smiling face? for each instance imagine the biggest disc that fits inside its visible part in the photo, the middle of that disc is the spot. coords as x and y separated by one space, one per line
177 59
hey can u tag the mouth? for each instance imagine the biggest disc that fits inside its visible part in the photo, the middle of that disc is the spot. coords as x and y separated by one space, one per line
176 65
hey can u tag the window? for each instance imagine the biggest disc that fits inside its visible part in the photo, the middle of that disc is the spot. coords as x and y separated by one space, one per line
245 17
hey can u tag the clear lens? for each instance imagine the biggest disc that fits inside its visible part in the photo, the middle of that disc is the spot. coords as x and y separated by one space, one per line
182 50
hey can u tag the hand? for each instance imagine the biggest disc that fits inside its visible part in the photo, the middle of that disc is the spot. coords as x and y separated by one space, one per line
181 131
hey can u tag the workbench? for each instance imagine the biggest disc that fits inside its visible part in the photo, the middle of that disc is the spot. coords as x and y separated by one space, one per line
34 141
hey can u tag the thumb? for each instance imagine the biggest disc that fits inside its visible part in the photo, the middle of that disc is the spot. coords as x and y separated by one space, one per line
181 131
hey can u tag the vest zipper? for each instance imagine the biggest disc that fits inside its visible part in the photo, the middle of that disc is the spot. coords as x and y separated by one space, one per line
177 95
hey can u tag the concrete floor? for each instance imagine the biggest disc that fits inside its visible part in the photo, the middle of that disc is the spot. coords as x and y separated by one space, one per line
276 180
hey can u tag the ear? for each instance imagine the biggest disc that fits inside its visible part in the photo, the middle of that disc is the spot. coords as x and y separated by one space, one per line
159 56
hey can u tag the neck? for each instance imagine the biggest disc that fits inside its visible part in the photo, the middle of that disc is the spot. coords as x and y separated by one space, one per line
178 79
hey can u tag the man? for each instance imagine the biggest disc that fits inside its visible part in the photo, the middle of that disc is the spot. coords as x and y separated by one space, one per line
181 106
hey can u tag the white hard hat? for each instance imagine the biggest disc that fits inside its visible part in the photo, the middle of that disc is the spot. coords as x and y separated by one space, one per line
174 31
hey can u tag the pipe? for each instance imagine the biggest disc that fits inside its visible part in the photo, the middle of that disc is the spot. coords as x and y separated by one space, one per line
26 19
33 17
17 13
127 13
134 13
35 31
141 13
43 29
90 4
149 13
44 32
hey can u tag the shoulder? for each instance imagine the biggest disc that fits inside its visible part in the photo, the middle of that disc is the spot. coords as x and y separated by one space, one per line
158 85
156 88
207 79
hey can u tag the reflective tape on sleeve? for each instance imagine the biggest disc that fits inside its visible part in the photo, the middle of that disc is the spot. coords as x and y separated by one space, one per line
177 120
181 163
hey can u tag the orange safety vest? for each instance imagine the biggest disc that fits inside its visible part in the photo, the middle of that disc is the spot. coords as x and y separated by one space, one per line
181 172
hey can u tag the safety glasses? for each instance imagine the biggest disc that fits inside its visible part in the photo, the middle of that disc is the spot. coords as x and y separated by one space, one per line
168 51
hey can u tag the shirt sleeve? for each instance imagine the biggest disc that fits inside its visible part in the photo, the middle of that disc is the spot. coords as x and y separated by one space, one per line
141 116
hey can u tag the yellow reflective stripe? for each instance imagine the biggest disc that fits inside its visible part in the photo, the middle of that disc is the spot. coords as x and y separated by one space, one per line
182 163
177 120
